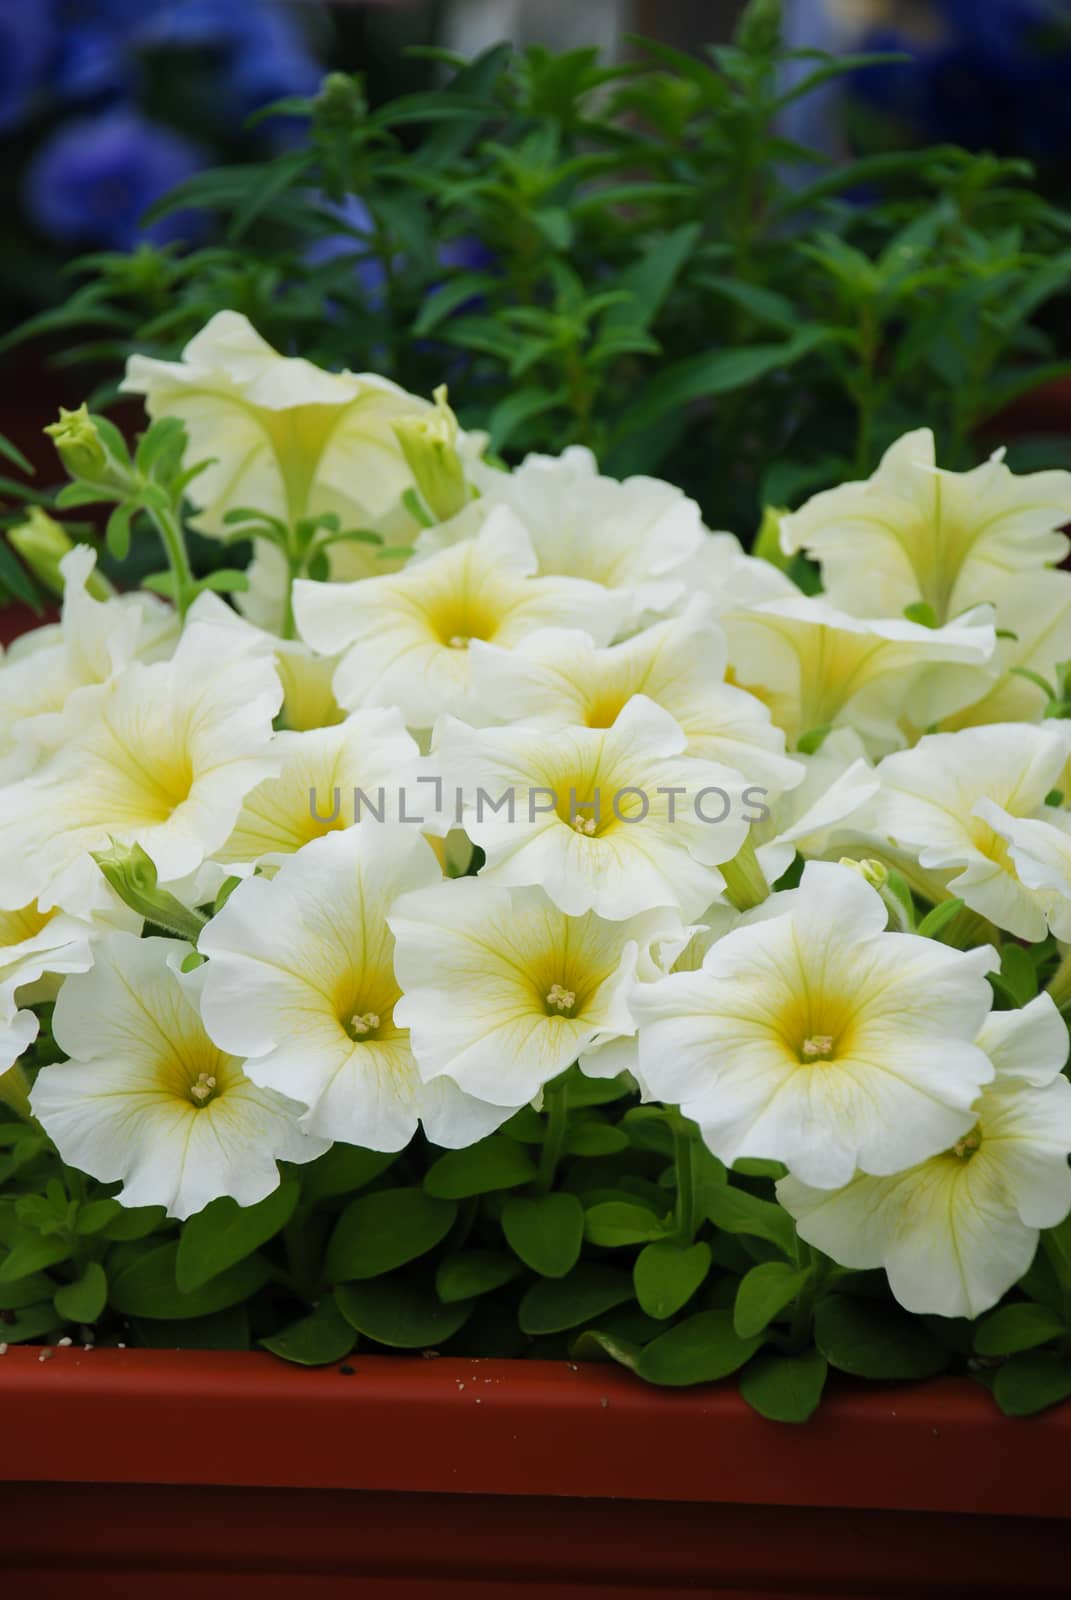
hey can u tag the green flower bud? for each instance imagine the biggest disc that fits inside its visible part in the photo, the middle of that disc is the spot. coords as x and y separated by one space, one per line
80 446
42 544
429 444
132 875
760 27
340 102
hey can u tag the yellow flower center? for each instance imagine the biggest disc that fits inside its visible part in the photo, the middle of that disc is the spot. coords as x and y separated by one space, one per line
560 999
818 1047
15 926
964 1148
586 825
459 641
205 1089
362 1024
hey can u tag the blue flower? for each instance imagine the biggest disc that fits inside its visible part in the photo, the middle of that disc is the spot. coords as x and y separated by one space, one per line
93 178
27 35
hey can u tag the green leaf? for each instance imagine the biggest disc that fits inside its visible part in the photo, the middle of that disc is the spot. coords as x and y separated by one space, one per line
937 918
1029 1383
25 1292
617 1222
736 1211
494 1163
762 1293
317 1340
594 1345
33 1255
84 1300
147 1287
698 1350
785 1388
225 580
1019 973
383 1230
469 1273
518 408
667 1274
595 1139
649 281
399 1312
875 1340
553 1305
12 453
133 1222
95 1215
1023 1326
225 1232
343 1168
545 1230
713 373
31 1322
117 532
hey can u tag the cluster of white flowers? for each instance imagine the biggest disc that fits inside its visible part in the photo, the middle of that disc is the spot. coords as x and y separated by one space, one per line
560 674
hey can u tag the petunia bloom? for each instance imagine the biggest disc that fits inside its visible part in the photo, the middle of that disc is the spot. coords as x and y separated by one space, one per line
955 1232
914 532
814 1037
406 636
502 990
612 820
301 981
164 759
148 1098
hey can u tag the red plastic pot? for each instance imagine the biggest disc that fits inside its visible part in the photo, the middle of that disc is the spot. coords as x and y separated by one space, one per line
151 1473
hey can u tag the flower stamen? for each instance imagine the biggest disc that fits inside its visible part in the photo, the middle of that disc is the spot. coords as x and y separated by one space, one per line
819 1047
363 1023
459 641
202 1091
586 825
964 1148
560 998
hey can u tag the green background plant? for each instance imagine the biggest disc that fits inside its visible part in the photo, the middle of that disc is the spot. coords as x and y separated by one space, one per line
631 257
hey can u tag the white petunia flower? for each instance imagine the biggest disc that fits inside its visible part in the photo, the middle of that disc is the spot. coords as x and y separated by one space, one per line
17 1034
502 991
830 812
814 1037
1040 851
92 642
612 820
1034 615
629 536
166 759
284 436
148 1098
329 778
300 980
819 668
955 1232
933 803
33 943
407 636
915 532
559 678
729 579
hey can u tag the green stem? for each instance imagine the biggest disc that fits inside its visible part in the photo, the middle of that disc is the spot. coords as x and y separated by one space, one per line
799 1332
683 1154
1059 985
556 1106
745 881
169 528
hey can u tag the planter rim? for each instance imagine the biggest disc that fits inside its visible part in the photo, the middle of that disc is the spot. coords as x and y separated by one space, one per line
513 1428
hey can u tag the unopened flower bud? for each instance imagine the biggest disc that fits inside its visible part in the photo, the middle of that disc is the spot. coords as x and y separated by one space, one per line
428 440
80 446
42 543
132 875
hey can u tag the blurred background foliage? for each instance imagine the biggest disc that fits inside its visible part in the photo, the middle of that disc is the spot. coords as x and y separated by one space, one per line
743 265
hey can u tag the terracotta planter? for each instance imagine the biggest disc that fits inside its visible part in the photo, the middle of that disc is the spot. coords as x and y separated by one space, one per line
149 1473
